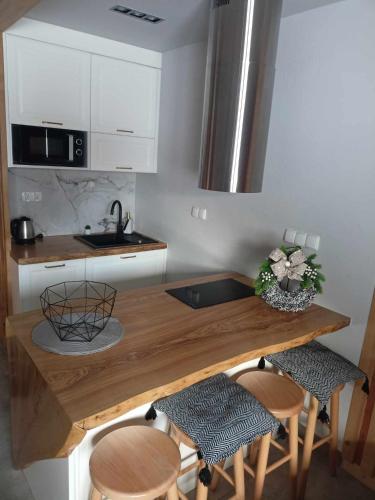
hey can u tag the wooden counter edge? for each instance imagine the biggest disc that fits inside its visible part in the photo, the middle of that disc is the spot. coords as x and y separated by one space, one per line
86 254
40 427
109 414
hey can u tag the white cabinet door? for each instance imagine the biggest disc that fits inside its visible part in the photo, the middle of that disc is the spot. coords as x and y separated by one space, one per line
48 85
124 97
34 278
122 154
128 270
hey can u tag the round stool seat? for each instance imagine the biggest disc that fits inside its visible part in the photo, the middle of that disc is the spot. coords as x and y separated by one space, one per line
135 462
282 397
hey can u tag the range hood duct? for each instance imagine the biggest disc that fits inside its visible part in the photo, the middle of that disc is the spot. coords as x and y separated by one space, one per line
240 73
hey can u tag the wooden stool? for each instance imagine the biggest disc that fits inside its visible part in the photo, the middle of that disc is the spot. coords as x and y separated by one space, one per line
308 442
284 400
202 491
135 463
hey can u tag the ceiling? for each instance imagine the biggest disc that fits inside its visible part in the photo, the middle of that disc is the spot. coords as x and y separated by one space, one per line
185 20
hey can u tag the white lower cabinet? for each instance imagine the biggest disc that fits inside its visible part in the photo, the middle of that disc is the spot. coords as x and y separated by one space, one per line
34 278
128 270
123 272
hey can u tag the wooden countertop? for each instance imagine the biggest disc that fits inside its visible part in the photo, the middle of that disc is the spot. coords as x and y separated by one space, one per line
66 247
167 346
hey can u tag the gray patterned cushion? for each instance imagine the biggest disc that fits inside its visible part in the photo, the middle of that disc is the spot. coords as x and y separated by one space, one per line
316 368
219 415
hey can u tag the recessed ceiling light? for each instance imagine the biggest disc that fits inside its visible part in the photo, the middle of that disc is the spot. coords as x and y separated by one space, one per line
120 9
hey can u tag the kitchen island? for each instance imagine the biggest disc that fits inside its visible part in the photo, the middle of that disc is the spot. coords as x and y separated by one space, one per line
61 404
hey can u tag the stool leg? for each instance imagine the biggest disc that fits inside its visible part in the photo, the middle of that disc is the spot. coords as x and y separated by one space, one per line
307 447
216 476
335 403
173 492
95 495
202 491
239 475
253 452
260 473
293 450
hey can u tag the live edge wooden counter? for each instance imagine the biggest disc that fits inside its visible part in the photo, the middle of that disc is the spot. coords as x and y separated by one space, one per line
66 247
167 346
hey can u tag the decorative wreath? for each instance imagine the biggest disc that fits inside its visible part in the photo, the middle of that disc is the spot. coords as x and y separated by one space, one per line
289 264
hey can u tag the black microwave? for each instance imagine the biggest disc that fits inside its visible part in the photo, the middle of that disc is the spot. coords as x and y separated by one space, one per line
49 147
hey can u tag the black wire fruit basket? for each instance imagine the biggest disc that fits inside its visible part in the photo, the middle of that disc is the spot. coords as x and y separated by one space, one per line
78 310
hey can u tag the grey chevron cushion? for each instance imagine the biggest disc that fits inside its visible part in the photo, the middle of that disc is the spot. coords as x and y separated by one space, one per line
316 368
219 415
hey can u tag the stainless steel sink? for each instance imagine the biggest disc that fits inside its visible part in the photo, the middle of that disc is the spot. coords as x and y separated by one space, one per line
108 240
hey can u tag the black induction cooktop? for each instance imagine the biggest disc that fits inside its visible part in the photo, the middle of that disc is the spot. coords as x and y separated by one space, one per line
212 293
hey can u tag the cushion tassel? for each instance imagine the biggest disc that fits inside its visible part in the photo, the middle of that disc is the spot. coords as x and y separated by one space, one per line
205 476
281 432
366 386
262 363
323 415
151 414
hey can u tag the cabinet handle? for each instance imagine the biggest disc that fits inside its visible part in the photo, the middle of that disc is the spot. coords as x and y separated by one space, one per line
129 257
125 131
52 123
124 168
54 267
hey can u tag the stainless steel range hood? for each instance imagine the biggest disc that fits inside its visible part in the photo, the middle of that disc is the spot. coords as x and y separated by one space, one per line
240 74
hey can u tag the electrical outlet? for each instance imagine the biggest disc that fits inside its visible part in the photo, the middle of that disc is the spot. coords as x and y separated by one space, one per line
290 235
30 196
302 239
313 241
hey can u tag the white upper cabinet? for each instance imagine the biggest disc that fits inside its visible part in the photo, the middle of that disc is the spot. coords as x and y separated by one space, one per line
124 98
122 154
48 85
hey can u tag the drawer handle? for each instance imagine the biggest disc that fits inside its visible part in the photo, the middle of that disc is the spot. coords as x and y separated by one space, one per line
129 257
52 123
124 168
125 131
54 267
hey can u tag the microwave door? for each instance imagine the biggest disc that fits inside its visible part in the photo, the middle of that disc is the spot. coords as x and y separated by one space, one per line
35 151
57 146
29 145
60 146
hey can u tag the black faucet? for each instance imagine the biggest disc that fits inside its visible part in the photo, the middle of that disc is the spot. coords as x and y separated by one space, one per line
120 227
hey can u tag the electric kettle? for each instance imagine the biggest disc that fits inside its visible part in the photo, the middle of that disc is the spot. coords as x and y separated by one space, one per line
22 230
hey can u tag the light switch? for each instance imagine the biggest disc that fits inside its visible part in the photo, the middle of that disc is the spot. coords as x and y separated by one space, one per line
195 212
313 241
203 213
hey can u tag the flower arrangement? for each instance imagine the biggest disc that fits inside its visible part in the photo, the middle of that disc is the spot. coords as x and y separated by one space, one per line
285 265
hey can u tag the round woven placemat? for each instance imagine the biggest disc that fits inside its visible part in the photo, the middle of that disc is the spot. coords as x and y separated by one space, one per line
44 336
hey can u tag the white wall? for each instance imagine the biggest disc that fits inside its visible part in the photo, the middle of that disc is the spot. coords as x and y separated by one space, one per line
320 169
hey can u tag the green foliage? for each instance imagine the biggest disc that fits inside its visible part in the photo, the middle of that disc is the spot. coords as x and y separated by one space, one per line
312 277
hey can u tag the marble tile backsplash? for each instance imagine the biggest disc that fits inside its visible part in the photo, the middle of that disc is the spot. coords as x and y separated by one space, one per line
70 200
